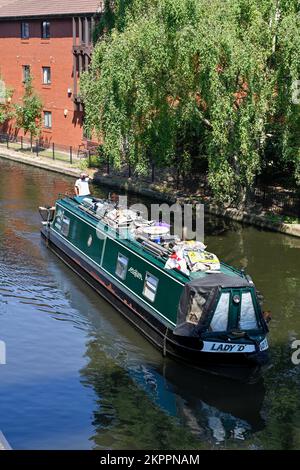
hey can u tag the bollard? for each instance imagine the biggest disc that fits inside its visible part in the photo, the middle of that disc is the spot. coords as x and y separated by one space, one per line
37 148
53 151
21 142
71 155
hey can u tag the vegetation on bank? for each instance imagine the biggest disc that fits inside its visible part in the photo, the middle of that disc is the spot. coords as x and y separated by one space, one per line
172 81
27 115
6 106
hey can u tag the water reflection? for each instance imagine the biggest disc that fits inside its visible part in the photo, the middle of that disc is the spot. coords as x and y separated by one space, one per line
199 410
79 376
137 389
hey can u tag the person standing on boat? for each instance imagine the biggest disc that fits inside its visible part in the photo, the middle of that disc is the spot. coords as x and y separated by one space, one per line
82 185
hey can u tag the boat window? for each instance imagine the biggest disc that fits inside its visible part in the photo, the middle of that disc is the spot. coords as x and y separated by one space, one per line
122 265
65 226
247 318
220 318
150 287
196 309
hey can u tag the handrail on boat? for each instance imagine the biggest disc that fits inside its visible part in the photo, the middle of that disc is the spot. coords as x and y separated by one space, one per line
152 248
232 268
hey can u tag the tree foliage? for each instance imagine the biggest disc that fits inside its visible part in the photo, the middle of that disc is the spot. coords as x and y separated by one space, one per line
6 106
174 79
29 113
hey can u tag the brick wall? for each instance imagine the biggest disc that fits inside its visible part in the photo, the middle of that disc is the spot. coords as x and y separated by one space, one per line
36 52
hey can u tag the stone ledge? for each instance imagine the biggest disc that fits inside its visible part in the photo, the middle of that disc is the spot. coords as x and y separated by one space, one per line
38 162
252 219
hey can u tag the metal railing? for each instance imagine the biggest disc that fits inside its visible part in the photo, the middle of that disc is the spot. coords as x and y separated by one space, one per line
272 199
42 148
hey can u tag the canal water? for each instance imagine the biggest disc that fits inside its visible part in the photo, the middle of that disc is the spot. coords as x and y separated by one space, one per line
79 377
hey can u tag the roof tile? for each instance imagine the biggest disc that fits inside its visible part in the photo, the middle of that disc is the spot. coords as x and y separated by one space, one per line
30 8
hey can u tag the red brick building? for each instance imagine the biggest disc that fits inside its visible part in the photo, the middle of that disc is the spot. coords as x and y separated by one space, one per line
50 40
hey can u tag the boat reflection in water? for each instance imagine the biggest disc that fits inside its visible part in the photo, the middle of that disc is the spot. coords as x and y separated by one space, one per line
144 401
202 406
223 407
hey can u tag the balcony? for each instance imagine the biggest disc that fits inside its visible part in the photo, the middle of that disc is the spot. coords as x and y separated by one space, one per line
78 103
82 49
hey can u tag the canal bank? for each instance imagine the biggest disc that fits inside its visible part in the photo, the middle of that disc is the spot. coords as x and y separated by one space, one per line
151 190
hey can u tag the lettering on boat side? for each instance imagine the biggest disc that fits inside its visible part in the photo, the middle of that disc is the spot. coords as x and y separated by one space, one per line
135 273
209 346
227 347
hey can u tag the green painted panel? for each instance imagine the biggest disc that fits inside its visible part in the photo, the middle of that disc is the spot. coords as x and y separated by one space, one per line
168 290
84 235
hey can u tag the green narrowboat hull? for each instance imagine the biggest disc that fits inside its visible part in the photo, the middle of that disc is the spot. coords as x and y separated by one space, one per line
93 250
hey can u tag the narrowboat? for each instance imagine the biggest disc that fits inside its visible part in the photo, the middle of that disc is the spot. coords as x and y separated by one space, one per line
187 303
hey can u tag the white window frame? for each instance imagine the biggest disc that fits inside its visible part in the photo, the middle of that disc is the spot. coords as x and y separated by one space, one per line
25 33
46 71
26 72
122 259
145 291
48 119
46 29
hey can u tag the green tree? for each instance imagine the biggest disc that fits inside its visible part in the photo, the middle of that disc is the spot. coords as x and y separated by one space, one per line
6 106
173 79
29 113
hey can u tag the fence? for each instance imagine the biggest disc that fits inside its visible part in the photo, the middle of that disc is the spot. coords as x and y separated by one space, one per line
41 148
275 200
278 200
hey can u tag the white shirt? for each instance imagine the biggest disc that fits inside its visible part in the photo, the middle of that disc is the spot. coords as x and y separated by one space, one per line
83 187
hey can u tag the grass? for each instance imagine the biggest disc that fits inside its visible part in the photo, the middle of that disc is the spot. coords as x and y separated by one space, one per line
282 219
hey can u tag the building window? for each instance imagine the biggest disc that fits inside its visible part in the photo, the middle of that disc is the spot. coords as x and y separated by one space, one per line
26 73
150 287
45 30
25 30
47 119
122 265
46 75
